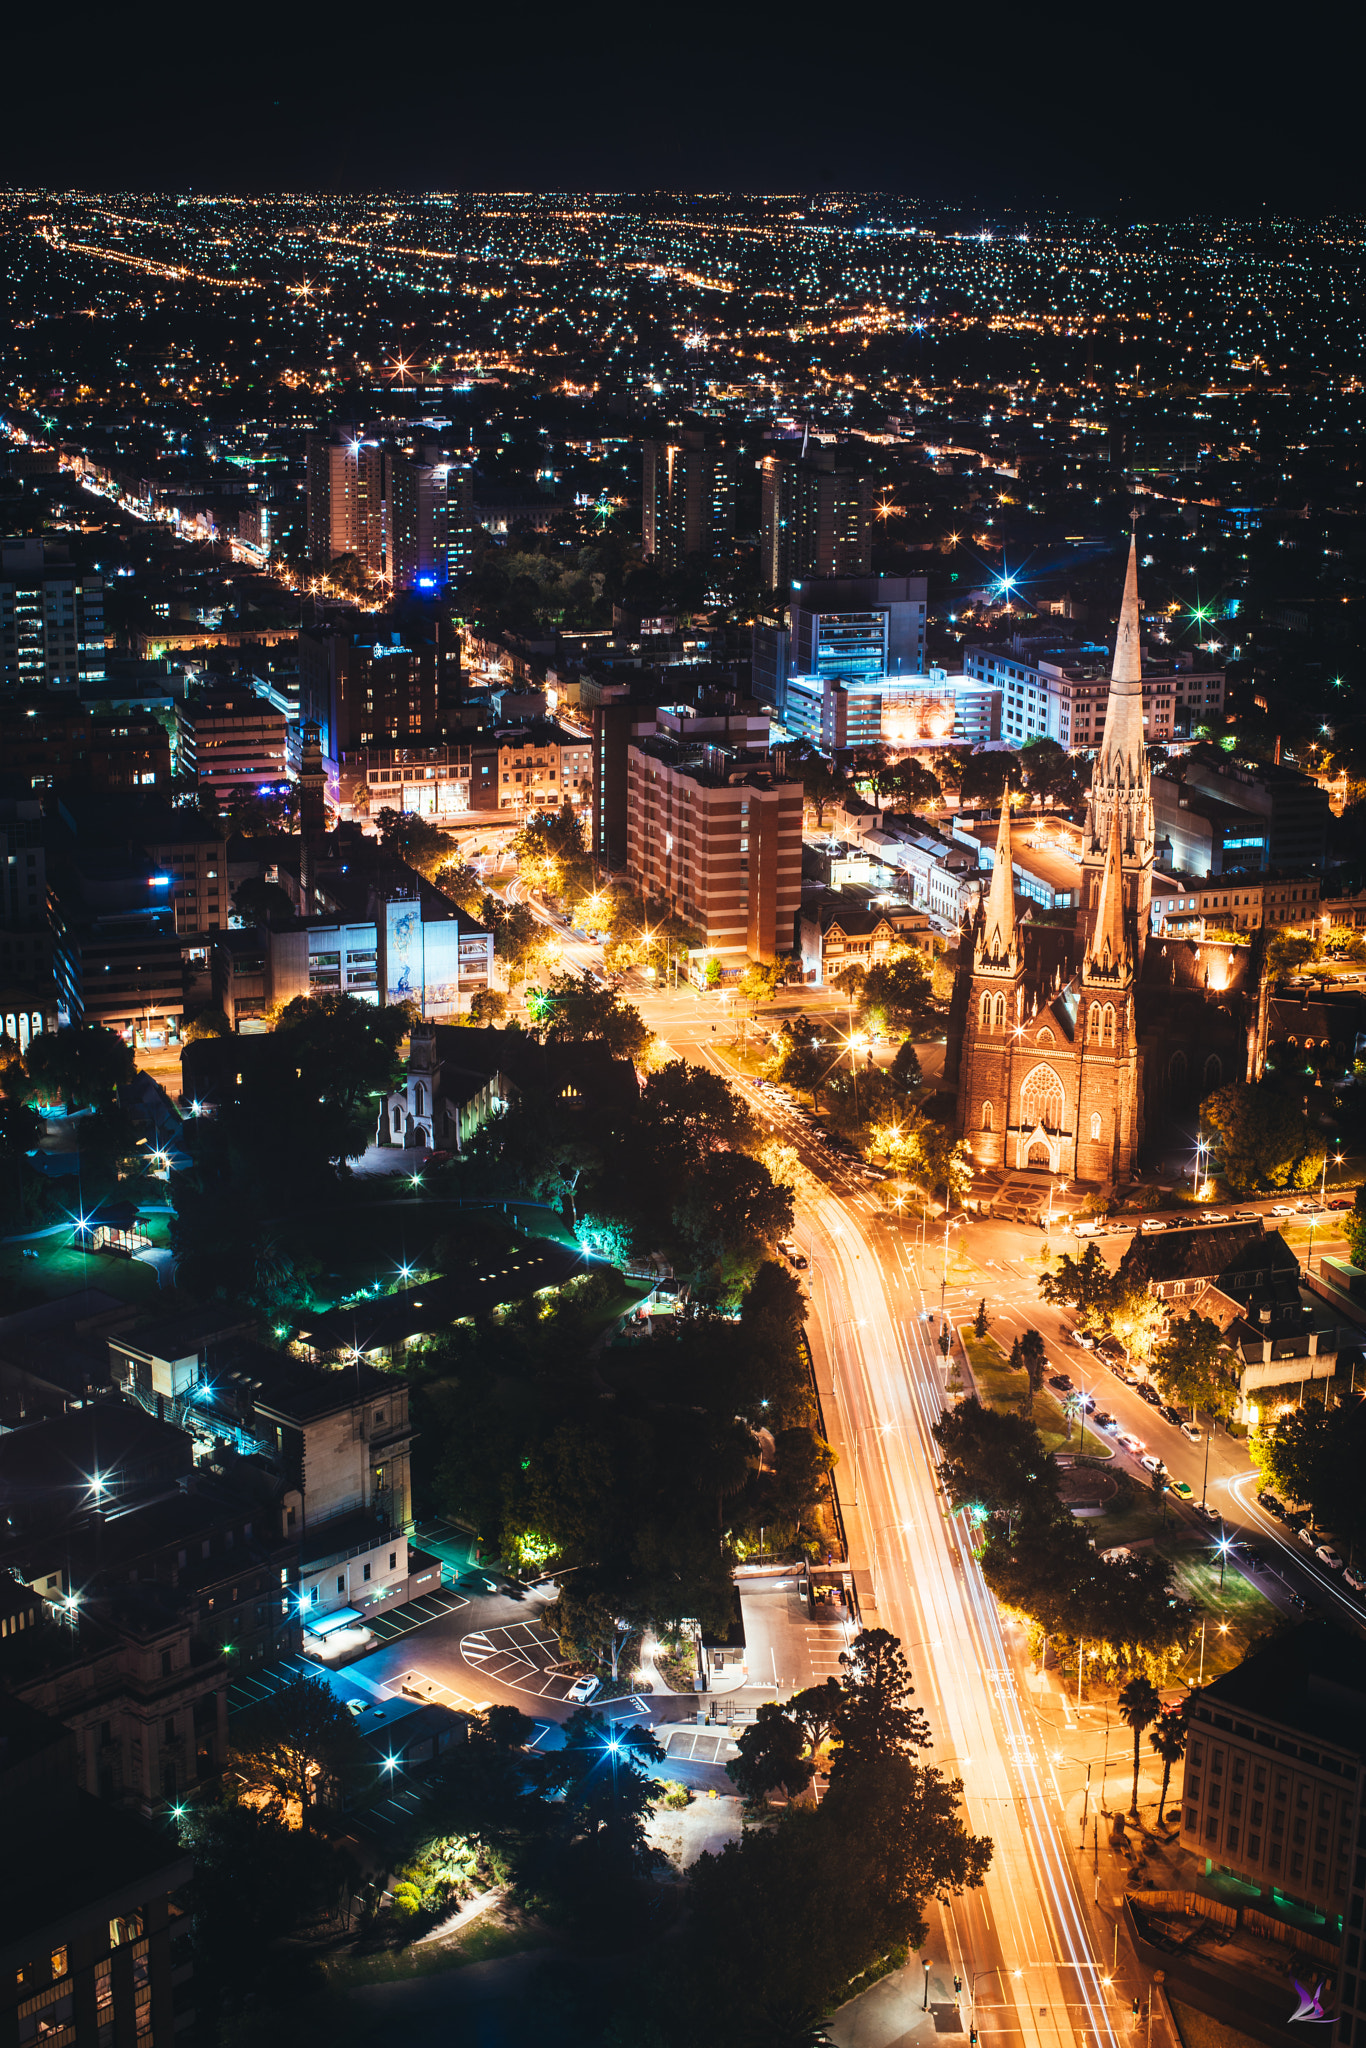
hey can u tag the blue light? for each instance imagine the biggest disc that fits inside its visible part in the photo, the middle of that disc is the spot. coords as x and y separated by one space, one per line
426 582
159 882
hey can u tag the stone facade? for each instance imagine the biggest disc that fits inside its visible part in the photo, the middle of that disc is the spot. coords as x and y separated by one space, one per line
1063 1037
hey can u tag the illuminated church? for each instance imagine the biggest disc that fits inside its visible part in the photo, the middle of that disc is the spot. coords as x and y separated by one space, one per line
1067 1043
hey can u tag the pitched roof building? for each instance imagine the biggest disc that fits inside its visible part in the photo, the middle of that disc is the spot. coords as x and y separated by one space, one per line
1068 1042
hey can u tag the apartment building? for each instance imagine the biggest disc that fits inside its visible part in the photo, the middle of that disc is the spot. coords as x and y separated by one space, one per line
51 620
541 767
717 835
1272 1790
1060 693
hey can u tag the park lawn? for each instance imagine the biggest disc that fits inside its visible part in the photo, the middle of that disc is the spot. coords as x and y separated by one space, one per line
60 1269
1138 1522
1001 1388
1241 1605
498 1933
997 1385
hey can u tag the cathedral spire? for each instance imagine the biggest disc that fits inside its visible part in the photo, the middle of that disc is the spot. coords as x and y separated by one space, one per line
997 941
1122 749
1107 953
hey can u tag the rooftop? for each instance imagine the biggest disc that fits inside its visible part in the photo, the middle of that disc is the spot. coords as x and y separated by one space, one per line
1311 1680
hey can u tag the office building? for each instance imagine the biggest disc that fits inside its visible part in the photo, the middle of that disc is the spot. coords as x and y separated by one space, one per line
389 941
125 971
716 834
1059 692
856 628
51 620
382 687
96 1944
688 497
328 1453
816 515
938 710
1222 814
232 738
1272 1791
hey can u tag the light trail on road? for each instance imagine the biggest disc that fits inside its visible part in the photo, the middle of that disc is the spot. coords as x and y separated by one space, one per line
929 1591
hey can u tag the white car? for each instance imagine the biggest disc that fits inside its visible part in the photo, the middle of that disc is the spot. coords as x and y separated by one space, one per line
1281 1209
1326 1555
1150 1463
1354 1580
1215 1216
1131 1443
1153 1223
1193 1431
583 1690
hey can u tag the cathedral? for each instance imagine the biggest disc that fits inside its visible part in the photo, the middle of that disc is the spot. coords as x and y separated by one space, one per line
1071 1043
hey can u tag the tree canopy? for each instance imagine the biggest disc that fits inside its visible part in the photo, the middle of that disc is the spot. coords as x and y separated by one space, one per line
1266 1139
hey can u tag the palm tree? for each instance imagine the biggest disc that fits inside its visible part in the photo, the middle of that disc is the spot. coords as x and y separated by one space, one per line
1140 1703
1168 1738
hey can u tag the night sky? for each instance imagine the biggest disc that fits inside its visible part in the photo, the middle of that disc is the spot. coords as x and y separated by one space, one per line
1159 111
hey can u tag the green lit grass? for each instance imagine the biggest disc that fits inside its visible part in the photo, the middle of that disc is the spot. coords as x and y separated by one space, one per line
60 1269
1248 1613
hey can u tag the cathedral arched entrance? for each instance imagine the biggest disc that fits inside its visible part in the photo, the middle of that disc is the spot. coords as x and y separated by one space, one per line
1039 1154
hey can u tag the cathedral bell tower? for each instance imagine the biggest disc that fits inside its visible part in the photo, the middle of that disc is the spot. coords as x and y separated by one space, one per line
1121 782
1108 1118
995 1011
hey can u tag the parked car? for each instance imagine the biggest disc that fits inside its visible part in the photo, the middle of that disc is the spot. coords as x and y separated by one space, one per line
1151 1463
1340 1202
1119 1555
583 1689
1061 1381
1216 1216
1210 1513
1084 1338
1170 1414
1088 1402
1193 1431
1152 1223
1354 1579
1281 1209
1245 1215
1103 1419
1181 1487
1148 1392
1269 1501
1326 1555
1306 1536
1254 1556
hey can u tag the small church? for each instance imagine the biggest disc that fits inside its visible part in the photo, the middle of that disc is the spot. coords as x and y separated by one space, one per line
1069 1043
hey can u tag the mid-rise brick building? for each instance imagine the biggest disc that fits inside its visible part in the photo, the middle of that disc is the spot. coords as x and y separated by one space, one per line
717 836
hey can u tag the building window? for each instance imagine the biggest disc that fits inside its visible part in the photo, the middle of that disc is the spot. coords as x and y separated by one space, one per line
987 1116
393 1560
1041 1100
1093 1024
1095 1124
1192 1820
1109 1023
365 1572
